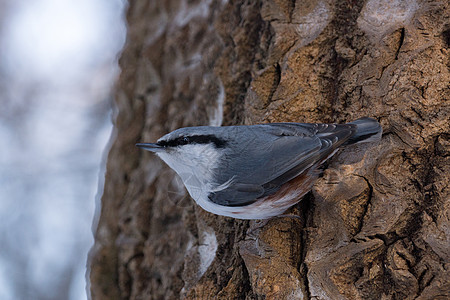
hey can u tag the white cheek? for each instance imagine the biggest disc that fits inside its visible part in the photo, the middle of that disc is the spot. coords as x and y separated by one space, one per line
195 165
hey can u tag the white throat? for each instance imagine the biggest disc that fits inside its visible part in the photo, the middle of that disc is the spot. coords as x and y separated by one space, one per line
194 163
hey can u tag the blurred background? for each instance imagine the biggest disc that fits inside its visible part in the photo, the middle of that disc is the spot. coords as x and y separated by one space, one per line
58 63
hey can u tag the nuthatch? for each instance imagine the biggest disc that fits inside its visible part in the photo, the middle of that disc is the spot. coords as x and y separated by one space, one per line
255 171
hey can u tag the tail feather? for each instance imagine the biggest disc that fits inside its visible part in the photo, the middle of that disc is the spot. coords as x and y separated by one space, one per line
367 130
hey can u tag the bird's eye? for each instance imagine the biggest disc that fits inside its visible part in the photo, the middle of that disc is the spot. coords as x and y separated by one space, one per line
186 139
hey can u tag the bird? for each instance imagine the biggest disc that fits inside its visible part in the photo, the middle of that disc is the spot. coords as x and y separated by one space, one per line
255 171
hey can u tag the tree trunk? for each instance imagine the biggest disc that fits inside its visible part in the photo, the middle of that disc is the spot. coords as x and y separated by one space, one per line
375 225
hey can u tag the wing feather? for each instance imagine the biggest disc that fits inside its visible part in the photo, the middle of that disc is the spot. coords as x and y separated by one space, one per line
261 158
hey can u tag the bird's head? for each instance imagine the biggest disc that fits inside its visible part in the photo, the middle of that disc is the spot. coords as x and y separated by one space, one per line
190 151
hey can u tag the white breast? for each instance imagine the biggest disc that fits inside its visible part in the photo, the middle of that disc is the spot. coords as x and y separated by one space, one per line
195 164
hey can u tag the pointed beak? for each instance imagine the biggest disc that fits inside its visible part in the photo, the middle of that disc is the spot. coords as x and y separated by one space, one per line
150 147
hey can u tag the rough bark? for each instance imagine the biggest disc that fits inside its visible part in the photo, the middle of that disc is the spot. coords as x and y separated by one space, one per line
376 224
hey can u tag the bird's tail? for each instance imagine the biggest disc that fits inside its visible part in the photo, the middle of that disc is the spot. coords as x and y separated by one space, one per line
367 130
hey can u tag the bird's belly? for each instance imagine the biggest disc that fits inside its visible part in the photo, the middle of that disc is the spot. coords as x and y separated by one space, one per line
275 204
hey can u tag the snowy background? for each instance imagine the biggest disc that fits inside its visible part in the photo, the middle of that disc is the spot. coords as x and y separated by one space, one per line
58 62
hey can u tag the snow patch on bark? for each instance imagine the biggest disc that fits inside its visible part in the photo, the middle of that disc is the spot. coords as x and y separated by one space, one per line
380 17
296 294
188 12
216 117
312 24
207 249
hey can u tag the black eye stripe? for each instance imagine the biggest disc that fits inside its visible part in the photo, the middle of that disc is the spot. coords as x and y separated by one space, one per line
194 139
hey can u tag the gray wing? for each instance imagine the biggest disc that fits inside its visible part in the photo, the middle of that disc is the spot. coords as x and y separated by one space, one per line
261 158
